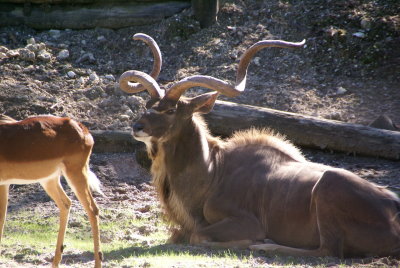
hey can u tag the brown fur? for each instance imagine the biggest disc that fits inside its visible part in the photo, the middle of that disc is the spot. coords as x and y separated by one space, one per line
41 149
255 186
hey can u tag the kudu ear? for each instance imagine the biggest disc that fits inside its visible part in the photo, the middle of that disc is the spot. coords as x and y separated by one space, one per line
204 103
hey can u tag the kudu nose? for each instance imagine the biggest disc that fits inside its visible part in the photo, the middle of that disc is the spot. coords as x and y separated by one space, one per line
138 127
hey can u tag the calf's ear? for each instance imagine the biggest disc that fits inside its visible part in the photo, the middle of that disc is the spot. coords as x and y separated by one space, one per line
204 103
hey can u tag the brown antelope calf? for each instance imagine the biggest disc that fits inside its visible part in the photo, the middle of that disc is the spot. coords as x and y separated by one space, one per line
41 149
255 186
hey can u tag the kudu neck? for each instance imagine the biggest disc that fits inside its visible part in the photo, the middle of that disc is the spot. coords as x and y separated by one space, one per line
188 146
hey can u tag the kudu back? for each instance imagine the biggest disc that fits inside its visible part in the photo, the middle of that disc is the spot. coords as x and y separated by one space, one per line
254 189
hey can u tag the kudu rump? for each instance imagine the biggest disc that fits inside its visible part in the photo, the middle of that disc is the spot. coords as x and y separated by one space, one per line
41 149
255 186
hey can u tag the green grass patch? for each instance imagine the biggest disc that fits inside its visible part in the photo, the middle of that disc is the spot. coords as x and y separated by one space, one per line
128 240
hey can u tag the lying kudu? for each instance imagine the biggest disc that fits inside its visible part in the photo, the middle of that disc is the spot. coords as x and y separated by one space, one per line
41 149
255 186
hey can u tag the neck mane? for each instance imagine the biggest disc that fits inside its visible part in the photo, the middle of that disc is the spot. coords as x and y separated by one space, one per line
189 152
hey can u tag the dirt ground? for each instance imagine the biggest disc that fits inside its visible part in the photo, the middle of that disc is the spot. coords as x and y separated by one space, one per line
349 70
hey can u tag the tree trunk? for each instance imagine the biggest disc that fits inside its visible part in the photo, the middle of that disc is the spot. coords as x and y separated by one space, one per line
205 11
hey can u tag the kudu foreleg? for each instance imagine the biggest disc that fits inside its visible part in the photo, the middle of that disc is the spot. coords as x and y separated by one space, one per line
231 232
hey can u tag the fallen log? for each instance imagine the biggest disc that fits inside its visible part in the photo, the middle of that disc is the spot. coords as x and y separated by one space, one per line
115 141
302 130
103 15
107 141
306 131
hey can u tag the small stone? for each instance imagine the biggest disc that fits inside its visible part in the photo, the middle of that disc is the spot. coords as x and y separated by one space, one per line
30 47
55 33
135 100
101 38
3 55
365 23
80 82
93 77
335 116
3 49
340 91
86 57
124 117
43 55
71 74
29 69
12 53
16 67
94 92
36 47
232 28
63 54
257 61
31 41
83 42
359 34
26 54
110 77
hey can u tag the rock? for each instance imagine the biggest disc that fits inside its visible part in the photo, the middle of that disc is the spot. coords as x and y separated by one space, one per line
31 41
101 39
94 92
232 28
71 74
3 49
12 53
63 54
335 116
257 61
43 55
26 54
80 82
29 69
124 117
135 101
93 78
16 67
36 47
31 47
55 33
359 34
3 55
340 91
113 89
86 57
384 122
110 77
365 23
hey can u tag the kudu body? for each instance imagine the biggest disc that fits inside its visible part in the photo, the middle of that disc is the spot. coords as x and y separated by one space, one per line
255 186
41 149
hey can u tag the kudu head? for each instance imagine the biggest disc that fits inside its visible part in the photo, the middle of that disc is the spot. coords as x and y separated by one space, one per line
166 110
